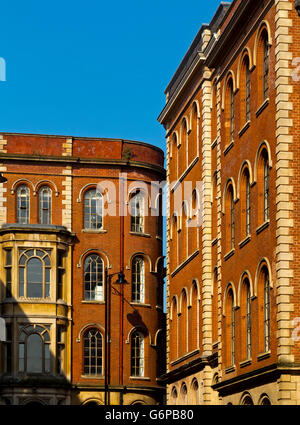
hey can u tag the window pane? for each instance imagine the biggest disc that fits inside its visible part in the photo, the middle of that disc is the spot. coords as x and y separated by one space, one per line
21 357
34 278
34 354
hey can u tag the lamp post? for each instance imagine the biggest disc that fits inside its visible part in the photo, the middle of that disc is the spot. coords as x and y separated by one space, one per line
107 295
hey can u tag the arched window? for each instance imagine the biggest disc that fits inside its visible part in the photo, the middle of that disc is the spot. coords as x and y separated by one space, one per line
183 325
23 204
230 329
263 180
34 273
229 218
245 203
137 354
93 352
193 138
263 65
173 341
93 278
193 322
45 201
174 396
266 309
247 401
183 150
245 90
93 210
138 280
174 239
137 210
229 112
34 349
266 188
215 307
174 159
195 392
264 327
184 394
246 350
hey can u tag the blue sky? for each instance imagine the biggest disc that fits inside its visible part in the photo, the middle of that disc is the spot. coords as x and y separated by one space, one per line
93 68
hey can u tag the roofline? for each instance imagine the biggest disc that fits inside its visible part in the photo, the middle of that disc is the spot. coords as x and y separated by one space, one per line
104 139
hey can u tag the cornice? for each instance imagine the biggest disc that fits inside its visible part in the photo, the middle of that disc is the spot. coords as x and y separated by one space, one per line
69 160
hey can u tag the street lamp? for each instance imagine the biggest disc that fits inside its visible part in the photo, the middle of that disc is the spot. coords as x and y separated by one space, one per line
107 292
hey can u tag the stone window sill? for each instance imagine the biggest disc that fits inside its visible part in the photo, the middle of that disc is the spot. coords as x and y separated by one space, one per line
229 254
245 241
214 143
230 369
244 128
245 363
262 107
92 376
140 378
92 302
229 147
143 235
93 231
184 357
263 356
136 304
263 226
214 241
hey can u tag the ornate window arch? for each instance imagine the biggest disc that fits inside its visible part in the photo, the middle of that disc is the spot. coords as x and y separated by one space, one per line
137 354
45 205
93 278
137 210
138 279
34 273
23 204
93 209
34 349
92 352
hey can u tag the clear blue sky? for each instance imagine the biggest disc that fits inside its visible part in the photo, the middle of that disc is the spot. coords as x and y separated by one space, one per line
93 68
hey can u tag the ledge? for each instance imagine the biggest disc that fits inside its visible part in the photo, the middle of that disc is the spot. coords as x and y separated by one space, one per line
186 356
93 231
185 173
262 107
228 147
263 226
214 241
215 344
244 128
140 304
92 302
214 143
92 376
229 254
245 241
245 363
230 369
41 228
140 378
263 356
185 263
143 235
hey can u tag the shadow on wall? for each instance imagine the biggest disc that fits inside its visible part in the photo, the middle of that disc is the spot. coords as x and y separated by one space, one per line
31 357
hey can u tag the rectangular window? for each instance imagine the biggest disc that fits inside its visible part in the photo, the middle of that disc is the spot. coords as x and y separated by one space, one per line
60 274
8 354
8 266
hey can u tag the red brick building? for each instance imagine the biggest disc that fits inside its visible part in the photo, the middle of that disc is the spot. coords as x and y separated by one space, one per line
66 232
232 122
